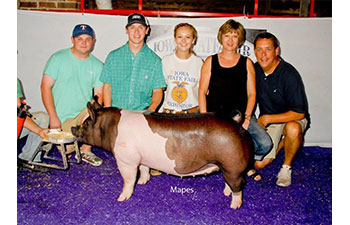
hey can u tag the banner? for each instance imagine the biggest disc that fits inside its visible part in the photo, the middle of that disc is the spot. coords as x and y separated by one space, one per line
161 41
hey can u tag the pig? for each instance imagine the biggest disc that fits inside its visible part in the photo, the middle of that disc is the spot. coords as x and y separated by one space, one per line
181 145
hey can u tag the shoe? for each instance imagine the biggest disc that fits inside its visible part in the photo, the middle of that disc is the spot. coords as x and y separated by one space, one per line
155 172
284 176
24 165
255 175
91 158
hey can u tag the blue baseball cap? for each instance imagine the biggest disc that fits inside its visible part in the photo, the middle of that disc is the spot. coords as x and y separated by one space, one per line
83 29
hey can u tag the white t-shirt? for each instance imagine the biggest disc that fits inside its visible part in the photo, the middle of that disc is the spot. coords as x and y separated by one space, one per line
182 79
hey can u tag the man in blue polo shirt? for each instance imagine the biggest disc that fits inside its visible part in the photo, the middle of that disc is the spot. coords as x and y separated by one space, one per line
282 102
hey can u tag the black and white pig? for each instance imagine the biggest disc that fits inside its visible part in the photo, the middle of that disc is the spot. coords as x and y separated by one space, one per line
182 145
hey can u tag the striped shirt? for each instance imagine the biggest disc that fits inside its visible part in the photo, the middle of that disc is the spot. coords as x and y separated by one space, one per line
133 78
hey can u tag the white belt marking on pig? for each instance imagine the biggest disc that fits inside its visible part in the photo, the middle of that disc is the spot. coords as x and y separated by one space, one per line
137 144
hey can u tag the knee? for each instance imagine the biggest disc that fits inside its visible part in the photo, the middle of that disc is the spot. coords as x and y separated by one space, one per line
262 164
293 130
259 165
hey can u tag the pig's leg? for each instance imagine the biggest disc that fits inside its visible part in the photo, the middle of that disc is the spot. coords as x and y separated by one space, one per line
235 182
236 200
227 190
144 175
128 173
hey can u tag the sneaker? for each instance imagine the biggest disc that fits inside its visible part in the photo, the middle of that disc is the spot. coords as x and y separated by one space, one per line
91 158
284 176
24 165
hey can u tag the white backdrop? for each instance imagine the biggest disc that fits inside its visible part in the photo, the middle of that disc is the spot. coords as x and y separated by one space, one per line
305 42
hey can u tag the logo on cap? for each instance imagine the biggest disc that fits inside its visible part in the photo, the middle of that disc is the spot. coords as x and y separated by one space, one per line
83 29
137 18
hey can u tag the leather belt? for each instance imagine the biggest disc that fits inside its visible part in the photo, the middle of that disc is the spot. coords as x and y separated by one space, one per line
185 111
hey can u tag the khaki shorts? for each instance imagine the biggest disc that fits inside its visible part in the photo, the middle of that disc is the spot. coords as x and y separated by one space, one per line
276 132
72 122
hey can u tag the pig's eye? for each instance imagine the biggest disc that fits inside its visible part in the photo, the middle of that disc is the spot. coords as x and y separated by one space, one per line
85 126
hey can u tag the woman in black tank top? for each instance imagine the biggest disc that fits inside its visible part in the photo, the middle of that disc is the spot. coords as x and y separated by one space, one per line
228 78
228 87
228 83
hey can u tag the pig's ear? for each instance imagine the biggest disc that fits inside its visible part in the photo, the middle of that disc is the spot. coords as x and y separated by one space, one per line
91 111
95 98
95 103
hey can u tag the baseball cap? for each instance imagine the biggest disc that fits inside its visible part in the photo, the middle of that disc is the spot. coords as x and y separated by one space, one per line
137 18
83 29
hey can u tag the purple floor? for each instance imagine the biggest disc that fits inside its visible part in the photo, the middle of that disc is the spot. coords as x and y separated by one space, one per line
88 195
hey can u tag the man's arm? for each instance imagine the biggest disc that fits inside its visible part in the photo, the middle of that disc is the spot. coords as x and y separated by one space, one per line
289 116
31 125
46 94
107 95
157 97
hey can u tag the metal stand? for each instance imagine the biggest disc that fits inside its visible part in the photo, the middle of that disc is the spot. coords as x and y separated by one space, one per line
63 153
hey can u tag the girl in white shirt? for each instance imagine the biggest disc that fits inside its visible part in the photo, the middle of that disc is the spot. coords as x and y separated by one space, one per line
182 71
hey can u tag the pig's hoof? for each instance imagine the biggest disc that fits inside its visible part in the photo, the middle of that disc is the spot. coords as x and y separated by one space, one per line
124 196
144 179
236 200
236 205
227 190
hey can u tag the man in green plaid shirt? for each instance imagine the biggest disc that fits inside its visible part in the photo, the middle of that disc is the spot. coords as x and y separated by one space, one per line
133 75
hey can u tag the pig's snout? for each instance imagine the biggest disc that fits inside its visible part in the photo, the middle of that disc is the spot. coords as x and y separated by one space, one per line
75 131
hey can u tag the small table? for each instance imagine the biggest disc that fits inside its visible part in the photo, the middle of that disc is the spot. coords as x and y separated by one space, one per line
57 142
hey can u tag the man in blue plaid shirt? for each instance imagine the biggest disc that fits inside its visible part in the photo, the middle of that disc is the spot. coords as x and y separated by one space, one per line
133 75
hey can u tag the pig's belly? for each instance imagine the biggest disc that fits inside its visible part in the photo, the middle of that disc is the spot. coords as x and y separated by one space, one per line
137 144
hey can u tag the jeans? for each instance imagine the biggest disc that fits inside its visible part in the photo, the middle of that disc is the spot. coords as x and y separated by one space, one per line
262 141
33 140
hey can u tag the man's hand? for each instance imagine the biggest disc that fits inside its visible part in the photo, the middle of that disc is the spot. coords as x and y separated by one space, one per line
263 121
42 133
55 123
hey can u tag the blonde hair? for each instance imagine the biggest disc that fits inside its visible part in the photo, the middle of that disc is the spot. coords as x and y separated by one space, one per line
229 26
194 33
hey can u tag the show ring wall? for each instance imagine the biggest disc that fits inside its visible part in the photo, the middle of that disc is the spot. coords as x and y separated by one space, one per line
306 43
